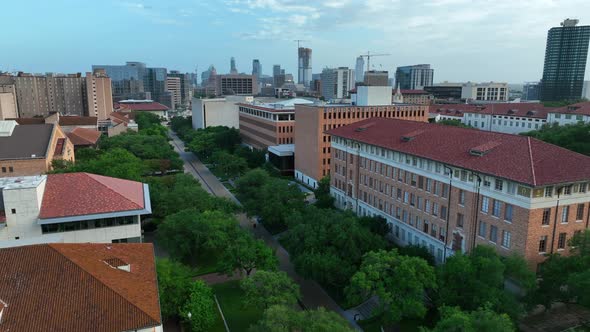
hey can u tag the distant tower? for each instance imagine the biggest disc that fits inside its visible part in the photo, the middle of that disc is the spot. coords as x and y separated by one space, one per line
398 98
256 69
360 69
304 74
565 61
232 65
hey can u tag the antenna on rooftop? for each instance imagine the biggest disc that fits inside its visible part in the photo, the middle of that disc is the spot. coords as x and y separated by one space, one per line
299 41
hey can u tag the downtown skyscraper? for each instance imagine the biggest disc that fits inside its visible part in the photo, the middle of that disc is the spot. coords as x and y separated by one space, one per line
565 61
304 66
360 69
256 69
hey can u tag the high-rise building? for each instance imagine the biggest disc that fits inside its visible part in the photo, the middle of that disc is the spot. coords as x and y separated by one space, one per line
565 61
8 104
256 69
173 85
304 60
232 65
236 85
127 80
155 82
99 95
360 69
531 91
414 77
376 78
185 85
337 82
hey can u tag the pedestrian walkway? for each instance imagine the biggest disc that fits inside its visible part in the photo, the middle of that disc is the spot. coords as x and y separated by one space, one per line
313 295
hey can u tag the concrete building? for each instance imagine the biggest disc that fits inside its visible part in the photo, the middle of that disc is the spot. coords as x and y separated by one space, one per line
80 287
236 85
359 69
312 144
449 188
132 106
173 85
304 66
66 123
127 80
531 91
445 91
99 95
8 103
419 97
376 78
484 91
72 208
365 95
414 77
31 149
186 86
586 90
207 74
154 82
571 114
566 55
211 112
336 82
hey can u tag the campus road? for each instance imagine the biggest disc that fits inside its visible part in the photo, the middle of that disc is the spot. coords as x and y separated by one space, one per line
312 294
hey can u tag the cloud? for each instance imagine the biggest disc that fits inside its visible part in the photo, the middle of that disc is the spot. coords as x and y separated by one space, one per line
157 15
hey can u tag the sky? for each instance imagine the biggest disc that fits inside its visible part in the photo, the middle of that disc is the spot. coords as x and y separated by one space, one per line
463 40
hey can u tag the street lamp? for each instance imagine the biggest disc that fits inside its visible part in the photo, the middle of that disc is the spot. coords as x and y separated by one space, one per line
476 210
448 212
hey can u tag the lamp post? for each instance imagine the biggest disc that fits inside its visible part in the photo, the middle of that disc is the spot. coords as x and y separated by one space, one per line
448 212
476 209
555 219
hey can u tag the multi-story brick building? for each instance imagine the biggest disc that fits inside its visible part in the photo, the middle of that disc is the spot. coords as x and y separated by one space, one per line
31 149
450 188
312 144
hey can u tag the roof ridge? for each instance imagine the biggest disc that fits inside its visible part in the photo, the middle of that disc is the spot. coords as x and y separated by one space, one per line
51 245
532 160
111 189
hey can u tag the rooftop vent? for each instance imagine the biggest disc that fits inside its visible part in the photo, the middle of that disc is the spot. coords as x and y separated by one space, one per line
483 149
531 113
411 135
117 263
511 111
572 108
364 127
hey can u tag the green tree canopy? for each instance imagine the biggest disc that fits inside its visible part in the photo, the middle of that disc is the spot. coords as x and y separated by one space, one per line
283 319
481 320
575 137
248 188
188 233
322 194
204 142
174 283
147 148
266 288
147 120
117 163
400 283
201 306
229 164
454 123
244 253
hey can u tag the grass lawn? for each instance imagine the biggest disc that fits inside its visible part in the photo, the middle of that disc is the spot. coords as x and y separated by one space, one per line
238 316
205 263
218 326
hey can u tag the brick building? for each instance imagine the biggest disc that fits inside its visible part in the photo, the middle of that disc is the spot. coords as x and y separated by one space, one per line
312 144
515 193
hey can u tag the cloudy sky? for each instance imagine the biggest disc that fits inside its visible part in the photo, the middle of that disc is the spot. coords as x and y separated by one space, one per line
477 40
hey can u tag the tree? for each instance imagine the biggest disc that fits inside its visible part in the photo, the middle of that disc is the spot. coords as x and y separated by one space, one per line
199 309
481 320
575 137
147 120
454 123
322 194
283 319
117 163
266 288
230 165
279 199
189 233
254 157
248 188
414 250
206 141
377 225
174 282
244 253
153 149
400 283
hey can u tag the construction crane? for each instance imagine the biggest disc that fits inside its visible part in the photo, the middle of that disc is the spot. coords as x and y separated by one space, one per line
369 55
299 41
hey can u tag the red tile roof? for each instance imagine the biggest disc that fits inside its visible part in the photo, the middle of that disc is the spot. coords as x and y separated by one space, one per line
69 287
77 120
151 106
75 194
527 110
575 109
59 146
518 158
412 92
84 136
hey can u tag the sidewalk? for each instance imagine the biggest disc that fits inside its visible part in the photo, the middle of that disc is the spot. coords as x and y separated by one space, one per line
313 295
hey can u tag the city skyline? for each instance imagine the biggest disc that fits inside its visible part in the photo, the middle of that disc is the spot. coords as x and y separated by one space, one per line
457 37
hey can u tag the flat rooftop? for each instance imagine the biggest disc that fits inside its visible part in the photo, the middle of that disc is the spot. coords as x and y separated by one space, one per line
22 182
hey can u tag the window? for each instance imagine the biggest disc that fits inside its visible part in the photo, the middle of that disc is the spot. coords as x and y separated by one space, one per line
580 212
11 169
582 185
508 212
13 211
506 238
445 190
3 169
486 182
485 204
406 197
433 230
427 206
443 212
499 185
565 214
462 197
548 191
493 233
524 191
460 220
482 229
561 241
435 209
546 216
425 229
543 244
428 185
399 194
496 208
567 190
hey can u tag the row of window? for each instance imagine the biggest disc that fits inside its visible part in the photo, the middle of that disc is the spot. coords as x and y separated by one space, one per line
361 113
565 213
561 242
493 233
8 169
88 224
285 140
496 208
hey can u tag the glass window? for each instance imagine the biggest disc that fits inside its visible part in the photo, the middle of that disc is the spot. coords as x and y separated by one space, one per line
460 220
508 210
462 197
493 233
548 191
580 212
546 217
506 239
482 229
561 241
485 204
499 185
565 214
496 207
543 244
